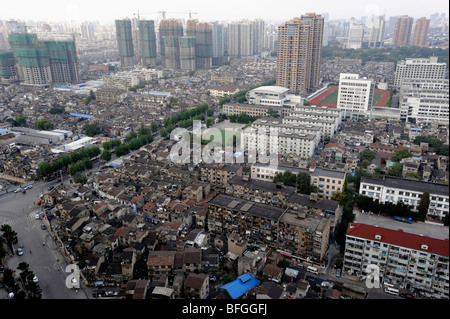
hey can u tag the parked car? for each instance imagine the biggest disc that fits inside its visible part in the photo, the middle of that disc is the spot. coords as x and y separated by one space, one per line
43 227
18 190
338 272
20 252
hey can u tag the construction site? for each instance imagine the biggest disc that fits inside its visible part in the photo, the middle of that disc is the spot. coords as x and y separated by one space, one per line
37 62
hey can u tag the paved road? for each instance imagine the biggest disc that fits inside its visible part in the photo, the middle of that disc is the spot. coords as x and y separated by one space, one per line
18 210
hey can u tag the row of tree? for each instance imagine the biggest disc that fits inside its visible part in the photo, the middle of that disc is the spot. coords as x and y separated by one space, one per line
69 160
385 54
133 141
185 118
389 209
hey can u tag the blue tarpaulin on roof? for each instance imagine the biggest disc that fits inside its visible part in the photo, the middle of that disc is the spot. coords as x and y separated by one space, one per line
240 285
80 115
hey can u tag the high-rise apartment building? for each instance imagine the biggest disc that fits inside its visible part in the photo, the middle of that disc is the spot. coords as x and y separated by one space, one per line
87 30
171 29
377 29
355 35
218 45
124 36
421 32
147 42
419 69
355 95
299 53
402 32
245 38
202 32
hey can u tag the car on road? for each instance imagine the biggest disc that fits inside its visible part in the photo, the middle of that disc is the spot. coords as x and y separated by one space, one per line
38 215
43 227
20 252
35 279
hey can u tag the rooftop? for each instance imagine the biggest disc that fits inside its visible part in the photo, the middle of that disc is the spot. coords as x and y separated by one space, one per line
400 238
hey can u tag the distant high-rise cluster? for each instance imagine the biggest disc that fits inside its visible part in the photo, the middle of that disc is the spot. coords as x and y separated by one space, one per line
299 53
245 38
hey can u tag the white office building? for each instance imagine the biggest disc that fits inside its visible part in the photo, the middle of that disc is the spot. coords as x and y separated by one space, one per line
355 35
395 190
419 69
355 95
425 100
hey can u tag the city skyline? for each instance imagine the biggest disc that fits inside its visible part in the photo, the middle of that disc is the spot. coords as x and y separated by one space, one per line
284 10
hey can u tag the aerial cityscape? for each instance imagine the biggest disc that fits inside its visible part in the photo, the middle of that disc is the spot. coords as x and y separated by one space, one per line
184 151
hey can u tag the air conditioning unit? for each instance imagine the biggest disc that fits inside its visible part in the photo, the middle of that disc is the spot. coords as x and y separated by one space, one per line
378 237
424 247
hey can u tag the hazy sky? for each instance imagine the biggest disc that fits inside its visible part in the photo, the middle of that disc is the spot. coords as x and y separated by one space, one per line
227 10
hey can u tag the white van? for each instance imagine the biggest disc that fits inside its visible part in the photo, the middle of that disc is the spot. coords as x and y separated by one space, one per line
313 270
391 291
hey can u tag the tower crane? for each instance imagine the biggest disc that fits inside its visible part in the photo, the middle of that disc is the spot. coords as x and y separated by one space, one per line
163 13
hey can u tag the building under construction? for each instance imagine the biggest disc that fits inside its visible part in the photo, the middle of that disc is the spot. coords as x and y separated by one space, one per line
147 42
187 53
124 37
169 32
203 42
7 65
41 62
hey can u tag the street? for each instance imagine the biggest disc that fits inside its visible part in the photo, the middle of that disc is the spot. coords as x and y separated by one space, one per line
45 260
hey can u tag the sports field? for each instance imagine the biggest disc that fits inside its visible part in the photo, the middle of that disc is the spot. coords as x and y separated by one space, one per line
330 96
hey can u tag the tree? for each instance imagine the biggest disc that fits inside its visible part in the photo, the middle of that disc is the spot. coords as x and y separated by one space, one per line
367 155
56 110
304 183
224 100
401 154
424 204
106 155
226 278
395 170
42 124
21 120
413 175
209 122
122 150
92 129
9 235
45 169
153 127
339 196
89 98
130 136
272 113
